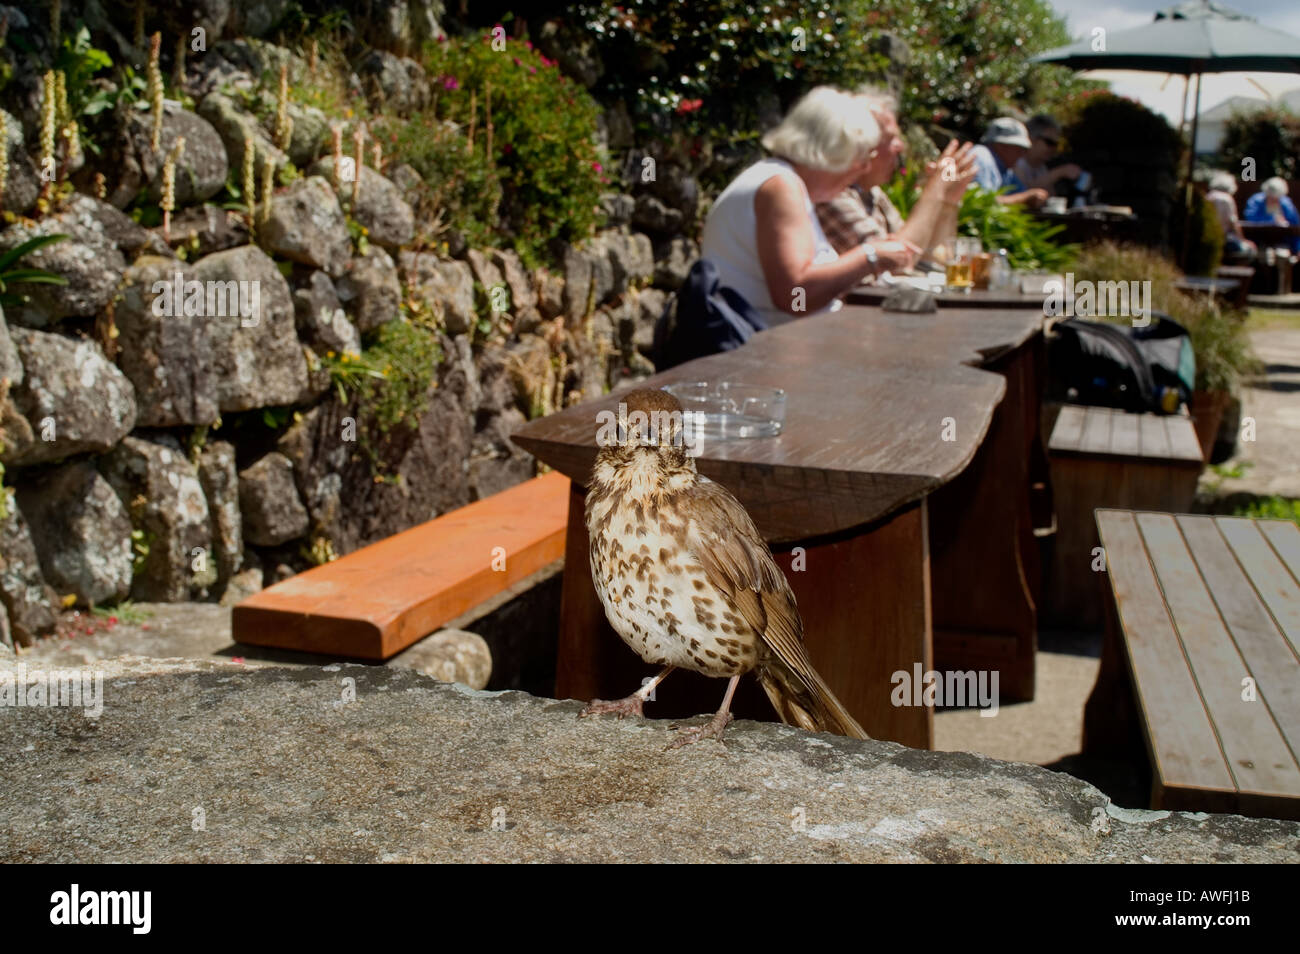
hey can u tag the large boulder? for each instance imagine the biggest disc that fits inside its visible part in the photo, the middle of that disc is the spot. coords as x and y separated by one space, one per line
235 125
257 360
104 223
273 513
31 603
306 225
523 296
22 184
394 81
167 356
321 320
82 533
577 285
88 260
446 287
14 429
220 482
370 290
381 206
201 171
73 398
496 463
167 506
205 229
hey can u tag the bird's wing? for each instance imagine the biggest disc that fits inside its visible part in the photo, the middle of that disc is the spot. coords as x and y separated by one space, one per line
736 560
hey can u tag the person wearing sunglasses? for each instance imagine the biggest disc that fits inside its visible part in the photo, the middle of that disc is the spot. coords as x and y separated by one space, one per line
1044 142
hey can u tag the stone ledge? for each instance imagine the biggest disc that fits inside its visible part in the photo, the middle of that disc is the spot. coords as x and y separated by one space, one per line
413 769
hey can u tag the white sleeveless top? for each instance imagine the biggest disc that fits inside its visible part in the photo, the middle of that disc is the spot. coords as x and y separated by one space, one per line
730 237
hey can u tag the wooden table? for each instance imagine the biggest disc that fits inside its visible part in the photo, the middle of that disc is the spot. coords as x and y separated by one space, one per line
975 298
1084 227
845 490
1201 654
1267 236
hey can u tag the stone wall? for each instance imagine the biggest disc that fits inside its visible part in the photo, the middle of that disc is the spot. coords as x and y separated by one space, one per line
158 454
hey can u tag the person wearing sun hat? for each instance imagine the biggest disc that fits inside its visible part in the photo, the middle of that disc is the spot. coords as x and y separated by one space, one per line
1004 143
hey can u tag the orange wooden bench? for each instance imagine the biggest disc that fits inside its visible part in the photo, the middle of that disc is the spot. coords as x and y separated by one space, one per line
376 601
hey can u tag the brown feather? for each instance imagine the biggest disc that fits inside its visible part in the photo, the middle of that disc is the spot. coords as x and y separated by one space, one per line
737 561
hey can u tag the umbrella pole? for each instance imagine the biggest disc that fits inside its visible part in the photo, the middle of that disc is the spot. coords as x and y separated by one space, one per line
1191 166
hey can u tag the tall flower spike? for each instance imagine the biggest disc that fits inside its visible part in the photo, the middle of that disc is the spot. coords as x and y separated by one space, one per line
49 170
156 90
250 186
358 141
283 125
268 184
337 131
4 155
169 186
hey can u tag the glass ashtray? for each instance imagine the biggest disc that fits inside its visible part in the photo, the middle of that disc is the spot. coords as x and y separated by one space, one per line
723 410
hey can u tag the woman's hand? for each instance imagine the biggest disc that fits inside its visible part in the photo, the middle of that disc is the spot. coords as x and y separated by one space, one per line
895 255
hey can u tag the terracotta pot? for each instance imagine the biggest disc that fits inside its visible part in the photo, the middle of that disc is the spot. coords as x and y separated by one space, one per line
1207 413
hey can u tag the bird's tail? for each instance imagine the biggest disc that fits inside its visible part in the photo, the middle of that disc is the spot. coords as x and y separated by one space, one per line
804 699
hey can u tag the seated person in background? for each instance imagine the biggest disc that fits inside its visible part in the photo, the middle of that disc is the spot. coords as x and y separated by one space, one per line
862 212
1044 140
1220 195
762 233
1271 206
1002 146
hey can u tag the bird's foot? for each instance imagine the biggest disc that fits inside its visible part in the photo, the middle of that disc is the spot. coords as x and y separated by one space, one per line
619 707
712 729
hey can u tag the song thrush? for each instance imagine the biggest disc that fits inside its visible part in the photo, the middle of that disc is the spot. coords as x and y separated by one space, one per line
687 580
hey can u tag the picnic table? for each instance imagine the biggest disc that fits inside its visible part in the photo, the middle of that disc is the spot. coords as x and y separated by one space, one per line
884 411
1267 236
1200 659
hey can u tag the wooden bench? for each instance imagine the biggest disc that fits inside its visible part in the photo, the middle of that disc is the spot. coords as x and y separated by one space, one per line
375 602
1202 636
1103 457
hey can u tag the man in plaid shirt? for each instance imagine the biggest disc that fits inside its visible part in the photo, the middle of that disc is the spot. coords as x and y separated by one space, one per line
862 212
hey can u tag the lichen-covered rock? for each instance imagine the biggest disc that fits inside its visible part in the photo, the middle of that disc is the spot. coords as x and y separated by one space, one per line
370 290
205 229
220 482
73 398
496 463
22 185
166 504
310 133
273 512
257 360
523 297
380 207
87 259
637 328
82 533
489 278
394 81
201 171
29 600
167 356
234 126
618 208
449 655
446 287
112 226
306 225
14 429
654 216
577 285
550 293
321 320
631 259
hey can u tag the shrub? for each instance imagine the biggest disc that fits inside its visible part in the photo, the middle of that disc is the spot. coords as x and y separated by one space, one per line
1271 137
535 132
1205 249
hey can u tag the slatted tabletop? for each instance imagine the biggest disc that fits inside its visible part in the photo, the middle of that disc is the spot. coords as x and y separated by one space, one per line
1209 609
1107 431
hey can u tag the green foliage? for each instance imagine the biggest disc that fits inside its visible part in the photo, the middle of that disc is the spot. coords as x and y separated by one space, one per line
1029 241
125 611
1098 121
1270 508
347 371
9 275
1271 137
1205 250
80 61
539 148
407 357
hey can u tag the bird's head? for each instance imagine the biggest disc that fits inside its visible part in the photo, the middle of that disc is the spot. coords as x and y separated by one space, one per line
646 432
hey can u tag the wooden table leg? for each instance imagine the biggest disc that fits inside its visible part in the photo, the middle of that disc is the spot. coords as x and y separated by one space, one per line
985 561
864 600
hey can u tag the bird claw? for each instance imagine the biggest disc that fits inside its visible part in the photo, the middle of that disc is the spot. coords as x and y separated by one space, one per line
712 729
619 707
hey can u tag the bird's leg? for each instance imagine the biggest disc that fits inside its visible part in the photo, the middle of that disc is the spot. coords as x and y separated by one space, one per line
632 704
714 727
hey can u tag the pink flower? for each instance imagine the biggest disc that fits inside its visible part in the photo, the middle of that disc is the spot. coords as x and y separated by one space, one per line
516 59
596 166
450 82
532 69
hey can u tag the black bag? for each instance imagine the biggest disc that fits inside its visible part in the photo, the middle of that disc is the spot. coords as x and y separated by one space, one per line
703 318
1106 365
